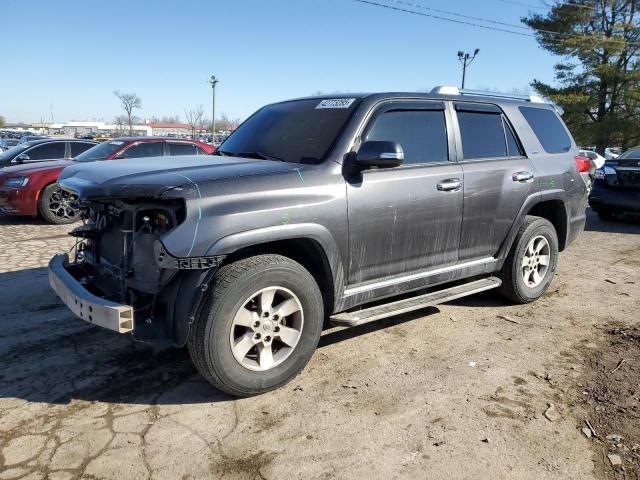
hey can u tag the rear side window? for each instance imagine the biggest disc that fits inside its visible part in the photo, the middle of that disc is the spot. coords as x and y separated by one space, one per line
548 128
143 149
47 151
183 149
78 147
482 135
421 133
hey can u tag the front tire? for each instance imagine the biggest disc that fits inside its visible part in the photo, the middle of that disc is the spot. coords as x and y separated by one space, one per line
259 326
531 263
58 206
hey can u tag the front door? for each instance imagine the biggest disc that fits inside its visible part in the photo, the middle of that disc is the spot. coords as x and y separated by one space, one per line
406 218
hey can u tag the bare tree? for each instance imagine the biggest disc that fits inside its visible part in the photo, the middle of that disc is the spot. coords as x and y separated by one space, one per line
129 101
227 124
121 125
194 119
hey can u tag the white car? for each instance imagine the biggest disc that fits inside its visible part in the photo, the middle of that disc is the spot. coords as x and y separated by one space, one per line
597 160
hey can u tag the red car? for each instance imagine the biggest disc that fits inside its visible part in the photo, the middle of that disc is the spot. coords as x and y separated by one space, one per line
31 188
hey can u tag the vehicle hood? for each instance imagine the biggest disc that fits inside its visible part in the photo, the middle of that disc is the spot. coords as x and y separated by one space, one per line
32 167
152 176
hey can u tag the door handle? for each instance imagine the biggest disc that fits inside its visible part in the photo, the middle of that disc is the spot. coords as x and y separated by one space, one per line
523 177
450 185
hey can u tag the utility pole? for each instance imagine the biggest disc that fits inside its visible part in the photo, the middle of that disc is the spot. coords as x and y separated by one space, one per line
465 59
213 81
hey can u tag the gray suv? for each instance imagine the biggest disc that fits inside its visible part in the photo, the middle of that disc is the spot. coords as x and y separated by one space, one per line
343 209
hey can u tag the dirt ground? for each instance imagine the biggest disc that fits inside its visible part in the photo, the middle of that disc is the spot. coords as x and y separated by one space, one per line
448 392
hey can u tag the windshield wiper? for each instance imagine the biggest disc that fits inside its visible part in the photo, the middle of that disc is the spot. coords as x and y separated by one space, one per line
223 153
262 155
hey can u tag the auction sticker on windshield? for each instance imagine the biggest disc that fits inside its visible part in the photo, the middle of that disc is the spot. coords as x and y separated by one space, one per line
336 103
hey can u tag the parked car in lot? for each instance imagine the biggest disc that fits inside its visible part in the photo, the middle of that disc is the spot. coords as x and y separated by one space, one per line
44 149
7 143
321 206
31 189
616 186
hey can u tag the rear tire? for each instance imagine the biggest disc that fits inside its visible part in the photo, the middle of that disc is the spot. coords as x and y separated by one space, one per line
58 206
531 263
259 326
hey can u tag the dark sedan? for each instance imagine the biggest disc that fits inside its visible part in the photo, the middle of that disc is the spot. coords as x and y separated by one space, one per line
45 149
616 186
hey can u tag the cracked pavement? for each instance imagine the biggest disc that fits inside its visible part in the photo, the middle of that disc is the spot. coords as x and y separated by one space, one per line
452 391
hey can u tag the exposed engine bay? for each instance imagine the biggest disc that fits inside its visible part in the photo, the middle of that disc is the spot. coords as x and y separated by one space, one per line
119 256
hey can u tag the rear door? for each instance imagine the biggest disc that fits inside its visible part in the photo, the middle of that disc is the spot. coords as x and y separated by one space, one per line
497 178
406 218
183 148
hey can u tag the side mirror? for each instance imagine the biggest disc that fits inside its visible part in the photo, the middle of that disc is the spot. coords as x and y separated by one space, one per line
380 154
23 157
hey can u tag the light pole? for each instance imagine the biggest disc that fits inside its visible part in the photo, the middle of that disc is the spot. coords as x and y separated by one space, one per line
213 81
465 59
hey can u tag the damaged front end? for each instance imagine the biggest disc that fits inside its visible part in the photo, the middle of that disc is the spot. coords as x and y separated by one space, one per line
120 268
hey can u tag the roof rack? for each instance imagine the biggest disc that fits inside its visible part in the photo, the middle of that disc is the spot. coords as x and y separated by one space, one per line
448 90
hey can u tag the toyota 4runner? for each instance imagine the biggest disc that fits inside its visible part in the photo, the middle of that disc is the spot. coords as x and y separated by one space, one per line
349 208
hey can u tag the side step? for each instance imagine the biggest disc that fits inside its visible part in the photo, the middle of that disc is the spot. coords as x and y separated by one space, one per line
358 317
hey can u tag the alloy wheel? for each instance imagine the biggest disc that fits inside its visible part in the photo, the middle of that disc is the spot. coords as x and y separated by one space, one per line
535 261
266 328
63 204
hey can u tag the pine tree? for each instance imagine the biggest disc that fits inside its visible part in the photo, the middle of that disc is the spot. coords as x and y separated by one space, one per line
599 80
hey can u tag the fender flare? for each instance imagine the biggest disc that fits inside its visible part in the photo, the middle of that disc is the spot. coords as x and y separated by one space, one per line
313 231
531 201
188 295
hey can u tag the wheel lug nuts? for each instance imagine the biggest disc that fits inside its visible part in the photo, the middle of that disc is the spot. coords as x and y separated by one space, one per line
256 324
276 318
257 336
265 314
276 329
267 338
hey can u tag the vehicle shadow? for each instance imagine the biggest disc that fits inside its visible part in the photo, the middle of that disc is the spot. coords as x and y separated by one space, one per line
622 224
11 220
50 356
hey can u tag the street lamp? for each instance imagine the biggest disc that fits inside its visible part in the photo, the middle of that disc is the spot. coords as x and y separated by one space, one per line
213 81
465 59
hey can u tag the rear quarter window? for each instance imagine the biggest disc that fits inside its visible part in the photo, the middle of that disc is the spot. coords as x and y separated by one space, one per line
548 128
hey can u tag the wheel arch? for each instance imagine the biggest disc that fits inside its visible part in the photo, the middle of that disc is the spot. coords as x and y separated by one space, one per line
551 205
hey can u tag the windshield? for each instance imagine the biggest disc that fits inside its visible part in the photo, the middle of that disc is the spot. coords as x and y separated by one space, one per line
99 152
633 153
300 131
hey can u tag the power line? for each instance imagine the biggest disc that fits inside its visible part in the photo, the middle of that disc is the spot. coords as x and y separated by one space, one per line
437 17
545 7
437 10
486 27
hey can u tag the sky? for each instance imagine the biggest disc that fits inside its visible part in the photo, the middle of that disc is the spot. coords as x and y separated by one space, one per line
71 55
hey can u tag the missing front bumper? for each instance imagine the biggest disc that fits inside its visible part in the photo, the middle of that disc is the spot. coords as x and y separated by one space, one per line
85 305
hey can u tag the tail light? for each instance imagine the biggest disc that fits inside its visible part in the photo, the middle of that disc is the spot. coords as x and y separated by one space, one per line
583 164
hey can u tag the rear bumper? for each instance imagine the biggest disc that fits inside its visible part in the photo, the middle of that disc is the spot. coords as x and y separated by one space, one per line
603 198
84 304
17 201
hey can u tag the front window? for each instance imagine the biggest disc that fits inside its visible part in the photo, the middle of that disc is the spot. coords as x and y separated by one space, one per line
300 131
99 152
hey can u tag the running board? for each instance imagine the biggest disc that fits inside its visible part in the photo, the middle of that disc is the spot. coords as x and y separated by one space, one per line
358 317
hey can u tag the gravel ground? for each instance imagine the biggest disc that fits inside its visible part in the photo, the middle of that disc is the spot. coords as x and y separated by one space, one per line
448 392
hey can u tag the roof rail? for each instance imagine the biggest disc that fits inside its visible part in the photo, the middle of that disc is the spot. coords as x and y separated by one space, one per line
449 90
